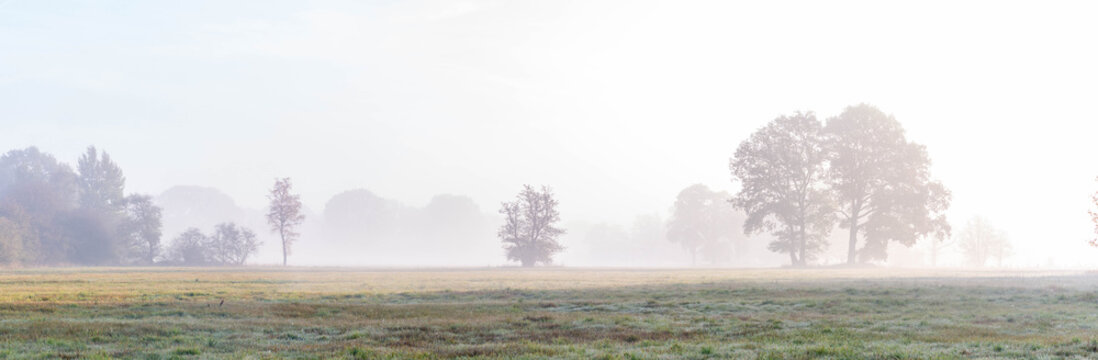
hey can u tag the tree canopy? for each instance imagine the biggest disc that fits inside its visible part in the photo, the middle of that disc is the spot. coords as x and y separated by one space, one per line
782 171
530 233
883 183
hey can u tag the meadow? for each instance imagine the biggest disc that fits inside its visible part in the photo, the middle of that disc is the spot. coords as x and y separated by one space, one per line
311 313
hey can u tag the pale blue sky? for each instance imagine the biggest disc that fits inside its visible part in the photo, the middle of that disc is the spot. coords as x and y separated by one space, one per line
617 104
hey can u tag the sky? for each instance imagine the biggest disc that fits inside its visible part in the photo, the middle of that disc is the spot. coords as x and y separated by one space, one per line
617 105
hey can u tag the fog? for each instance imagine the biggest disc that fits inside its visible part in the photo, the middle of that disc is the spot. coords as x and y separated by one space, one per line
404 125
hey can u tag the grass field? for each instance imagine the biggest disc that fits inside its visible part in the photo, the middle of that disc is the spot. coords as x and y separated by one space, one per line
552 313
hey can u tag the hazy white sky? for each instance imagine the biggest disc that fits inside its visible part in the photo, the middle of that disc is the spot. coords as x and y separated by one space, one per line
617 104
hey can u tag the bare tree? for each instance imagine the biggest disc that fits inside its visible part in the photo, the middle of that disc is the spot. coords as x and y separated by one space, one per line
284 214
883 182
981 241
782 169
529 232
702 221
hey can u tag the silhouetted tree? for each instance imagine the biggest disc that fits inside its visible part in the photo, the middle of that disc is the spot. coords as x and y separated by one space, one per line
232 244
102 185
883 183
702 221
284 214
782 171
980 241
190 248
142 228
529 233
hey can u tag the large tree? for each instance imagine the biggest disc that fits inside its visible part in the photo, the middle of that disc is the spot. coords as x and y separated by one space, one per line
782 171
529 233
702 221
883 183
284 214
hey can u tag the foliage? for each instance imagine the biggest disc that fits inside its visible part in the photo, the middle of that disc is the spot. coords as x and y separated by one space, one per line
883 182
102 185
67 217
230 244
284 214
190 248
529 233
782 170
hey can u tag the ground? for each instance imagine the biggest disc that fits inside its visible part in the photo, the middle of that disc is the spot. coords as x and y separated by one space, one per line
546 313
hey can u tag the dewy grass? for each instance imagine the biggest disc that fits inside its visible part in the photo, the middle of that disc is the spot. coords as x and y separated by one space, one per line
553 313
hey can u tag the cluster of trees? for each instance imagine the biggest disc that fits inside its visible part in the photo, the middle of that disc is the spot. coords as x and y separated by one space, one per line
229 244
51 214
800 177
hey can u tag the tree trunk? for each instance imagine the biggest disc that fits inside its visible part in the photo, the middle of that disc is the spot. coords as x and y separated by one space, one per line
852 249
527 263
804 245
283 236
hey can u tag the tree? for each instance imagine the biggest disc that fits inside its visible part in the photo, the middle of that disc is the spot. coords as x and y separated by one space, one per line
980 241
284 214
190 248
142 228
102 186
97 230
40 191
702 221
782 171
883 183
232 244
529 232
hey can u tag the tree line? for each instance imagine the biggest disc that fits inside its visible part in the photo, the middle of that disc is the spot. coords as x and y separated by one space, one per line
53 214
799 179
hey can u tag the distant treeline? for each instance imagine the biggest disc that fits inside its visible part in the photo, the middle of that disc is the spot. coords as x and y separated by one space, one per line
799 179
51 214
